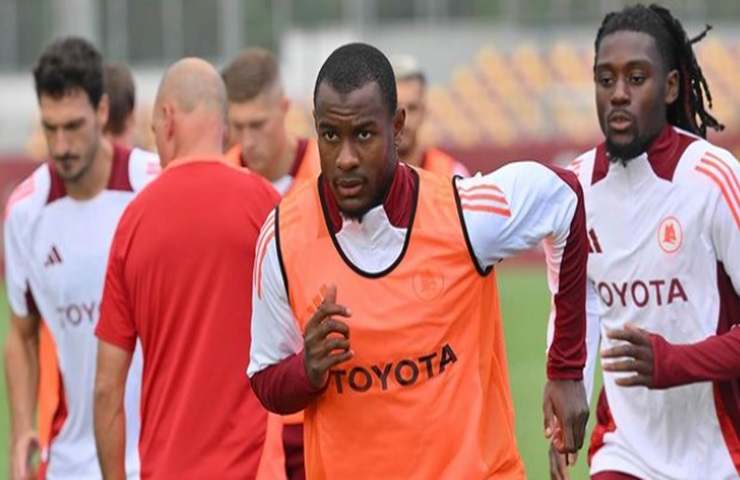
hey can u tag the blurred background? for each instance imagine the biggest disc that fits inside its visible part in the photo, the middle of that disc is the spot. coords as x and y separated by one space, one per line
509 79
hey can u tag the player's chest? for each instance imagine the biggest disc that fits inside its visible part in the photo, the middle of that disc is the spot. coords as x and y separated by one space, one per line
70 243
647 249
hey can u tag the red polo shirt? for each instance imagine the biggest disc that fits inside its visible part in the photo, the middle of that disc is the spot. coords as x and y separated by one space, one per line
179 279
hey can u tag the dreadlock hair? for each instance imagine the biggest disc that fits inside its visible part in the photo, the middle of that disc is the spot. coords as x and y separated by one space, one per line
688 111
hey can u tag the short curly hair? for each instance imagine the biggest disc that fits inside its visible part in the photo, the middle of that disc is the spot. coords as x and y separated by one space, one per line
354 65
67 64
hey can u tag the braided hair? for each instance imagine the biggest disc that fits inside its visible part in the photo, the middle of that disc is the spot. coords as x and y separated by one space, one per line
688 111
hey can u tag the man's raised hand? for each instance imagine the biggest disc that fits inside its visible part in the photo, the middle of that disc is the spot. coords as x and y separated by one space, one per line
326 339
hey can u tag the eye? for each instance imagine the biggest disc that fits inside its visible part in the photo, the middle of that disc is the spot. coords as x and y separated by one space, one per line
605 80
637 79
364 135
329 136
73 127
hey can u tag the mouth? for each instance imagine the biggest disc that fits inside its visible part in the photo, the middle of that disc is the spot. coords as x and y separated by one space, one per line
66 161
620 122
349 187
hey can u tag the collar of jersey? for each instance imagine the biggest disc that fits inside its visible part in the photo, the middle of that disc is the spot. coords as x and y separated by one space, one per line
662 155
194 159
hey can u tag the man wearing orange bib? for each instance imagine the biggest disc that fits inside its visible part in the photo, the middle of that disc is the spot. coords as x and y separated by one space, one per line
375 300
257 136
411 89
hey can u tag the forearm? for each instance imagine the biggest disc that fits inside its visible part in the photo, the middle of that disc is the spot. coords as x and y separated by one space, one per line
284 388
716 358
566 262
110 432
21 374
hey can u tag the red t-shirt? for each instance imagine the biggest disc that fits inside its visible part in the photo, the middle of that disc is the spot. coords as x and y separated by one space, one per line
179 278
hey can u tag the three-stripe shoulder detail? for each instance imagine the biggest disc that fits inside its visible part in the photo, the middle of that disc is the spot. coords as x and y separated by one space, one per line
722 175
484 197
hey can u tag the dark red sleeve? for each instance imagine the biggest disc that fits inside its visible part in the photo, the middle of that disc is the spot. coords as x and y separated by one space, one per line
284 388
116 325
567 354
715 359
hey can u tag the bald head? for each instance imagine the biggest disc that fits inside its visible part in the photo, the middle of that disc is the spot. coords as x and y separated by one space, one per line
193 82
190 110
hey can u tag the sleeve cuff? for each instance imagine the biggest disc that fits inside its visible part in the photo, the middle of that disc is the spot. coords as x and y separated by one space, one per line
120 341
284 388
662 356
559 373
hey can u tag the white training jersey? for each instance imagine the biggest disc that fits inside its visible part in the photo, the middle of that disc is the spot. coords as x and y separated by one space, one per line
56 252
664 232
504 213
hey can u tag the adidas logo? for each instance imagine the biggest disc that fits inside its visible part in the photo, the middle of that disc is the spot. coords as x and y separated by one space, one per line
593 242
53 258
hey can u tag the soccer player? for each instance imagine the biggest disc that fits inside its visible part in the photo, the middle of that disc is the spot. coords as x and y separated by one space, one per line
411 88
375 299
121 92
260 141
178 279
663 213
58 228
257 135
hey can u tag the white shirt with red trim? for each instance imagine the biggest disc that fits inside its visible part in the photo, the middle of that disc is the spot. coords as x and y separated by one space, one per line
505 212
664 233
56 252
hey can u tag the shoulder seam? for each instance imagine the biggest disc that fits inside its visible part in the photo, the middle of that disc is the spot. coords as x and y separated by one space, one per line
24 192
278 250
469 246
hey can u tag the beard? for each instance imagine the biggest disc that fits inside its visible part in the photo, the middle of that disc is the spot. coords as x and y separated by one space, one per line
624 152
72 168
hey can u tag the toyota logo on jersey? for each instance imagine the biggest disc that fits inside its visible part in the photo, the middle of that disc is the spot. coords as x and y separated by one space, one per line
670 235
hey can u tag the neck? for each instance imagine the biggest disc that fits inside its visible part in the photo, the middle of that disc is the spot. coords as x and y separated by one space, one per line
199 142
286 158
96 177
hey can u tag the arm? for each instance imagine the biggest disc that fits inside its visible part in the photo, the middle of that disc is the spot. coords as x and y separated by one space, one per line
287 370
21 353
510 211
715 359
22 374
110 419
656 363
117 335
513 209
593 337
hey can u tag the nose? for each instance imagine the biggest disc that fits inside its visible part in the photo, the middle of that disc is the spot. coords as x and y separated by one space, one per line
347 158
248 140
621 93
58 143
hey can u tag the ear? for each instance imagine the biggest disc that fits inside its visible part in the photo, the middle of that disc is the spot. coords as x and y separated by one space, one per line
399 119
168 120
103 110
285 104
671 86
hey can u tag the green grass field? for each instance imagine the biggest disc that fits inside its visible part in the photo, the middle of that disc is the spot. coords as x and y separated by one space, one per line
525 304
